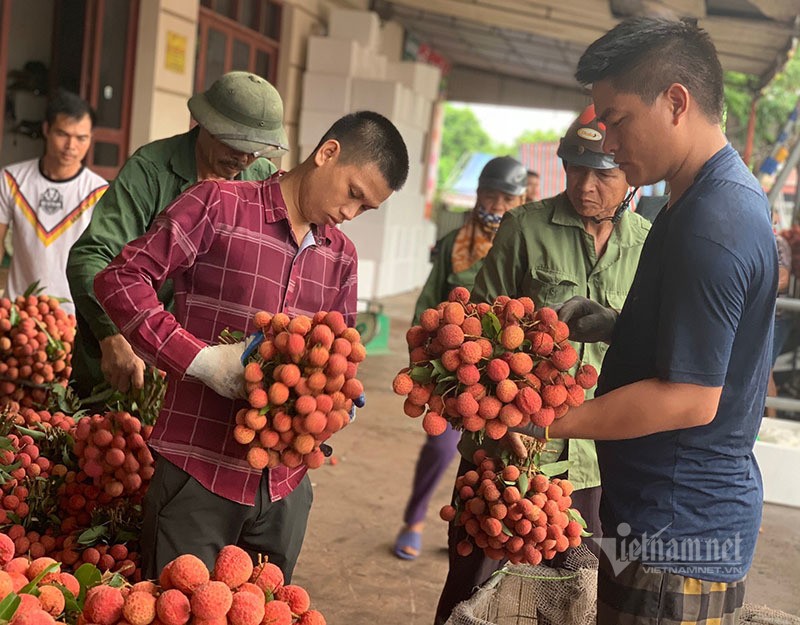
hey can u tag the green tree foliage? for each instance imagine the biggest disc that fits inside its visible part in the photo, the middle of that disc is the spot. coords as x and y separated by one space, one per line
777 99
461 136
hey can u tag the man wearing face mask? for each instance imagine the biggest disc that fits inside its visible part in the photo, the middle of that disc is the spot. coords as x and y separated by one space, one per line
240 120
458 257
583 241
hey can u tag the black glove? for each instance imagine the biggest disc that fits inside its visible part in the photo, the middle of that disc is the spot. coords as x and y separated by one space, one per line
588 321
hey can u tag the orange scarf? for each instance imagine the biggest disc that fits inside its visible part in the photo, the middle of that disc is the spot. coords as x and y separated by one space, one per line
473 242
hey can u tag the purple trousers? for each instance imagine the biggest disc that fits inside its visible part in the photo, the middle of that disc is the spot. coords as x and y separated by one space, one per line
434 458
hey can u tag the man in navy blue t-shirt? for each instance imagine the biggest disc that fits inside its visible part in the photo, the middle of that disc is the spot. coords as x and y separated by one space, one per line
683 385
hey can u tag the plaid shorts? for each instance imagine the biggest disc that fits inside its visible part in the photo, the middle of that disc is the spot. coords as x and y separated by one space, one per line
642 595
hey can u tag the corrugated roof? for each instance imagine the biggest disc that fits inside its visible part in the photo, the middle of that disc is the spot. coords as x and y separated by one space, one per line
542 40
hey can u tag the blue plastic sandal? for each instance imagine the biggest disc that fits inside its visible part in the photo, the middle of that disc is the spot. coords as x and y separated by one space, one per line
408 538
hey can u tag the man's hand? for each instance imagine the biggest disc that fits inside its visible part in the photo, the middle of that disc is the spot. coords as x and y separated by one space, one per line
588 321
516 445
220 368
121 367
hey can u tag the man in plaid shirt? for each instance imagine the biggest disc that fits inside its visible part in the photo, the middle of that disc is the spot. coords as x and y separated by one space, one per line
232 249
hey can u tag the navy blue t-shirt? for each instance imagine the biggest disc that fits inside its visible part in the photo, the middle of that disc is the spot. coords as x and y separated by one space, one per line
700 311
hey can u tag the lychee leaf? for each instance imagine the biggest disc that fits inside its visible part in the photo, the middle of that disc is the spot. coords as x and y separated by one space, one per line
523 483
70 602
438 368
555 468
507 531
13 315
490 325
88 576
9 605
421 374
585 534
92 535
116 581
574 515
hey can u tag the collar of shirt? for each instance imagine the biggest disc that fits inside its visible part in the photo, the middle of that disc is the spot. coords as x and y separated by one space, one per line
184 162
275 210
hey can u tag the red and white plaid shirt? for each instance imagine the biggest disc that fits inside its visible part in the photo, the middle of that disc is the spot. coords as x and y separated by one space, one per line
230 251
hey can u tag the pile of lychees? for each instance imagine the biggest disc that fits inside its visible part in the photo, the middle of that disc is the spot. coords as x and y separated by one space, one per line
301 385
490 367
234 593
512 513
36 337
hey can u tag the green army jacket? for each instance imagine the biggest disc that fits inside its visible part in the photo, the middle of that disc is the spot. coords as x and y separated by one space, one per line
148 182
542 251
441 279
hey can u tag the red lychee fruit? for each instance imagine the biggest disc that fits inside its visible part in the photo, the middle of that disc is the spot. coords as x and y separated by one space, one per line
139 608
547 317
453 312
468 375
564 358
506 391
450 336
510 415
489 407
511 337
495 429
103 605
7 549
497 370
459 294
472 327
543 417
575 396
554 395
416 336
52 600
434 424
277 613
520 363
470 352
295 596
466 404
247 608
429 320
173 607
586 376
32 617
188 572
402 384
541 343
268 577
233 565
312 617
528 400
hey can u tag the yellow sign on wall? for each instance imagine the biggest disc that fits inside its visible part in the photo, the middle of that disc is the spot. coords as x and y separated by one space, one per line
175 60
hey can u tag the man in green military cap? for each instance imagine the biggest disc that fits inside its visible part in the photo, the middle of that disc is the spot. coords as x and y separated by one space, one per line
240 120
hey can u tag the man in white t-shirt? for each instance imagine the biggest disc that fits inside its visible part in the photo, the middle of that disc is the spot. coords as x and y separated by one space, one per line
50 200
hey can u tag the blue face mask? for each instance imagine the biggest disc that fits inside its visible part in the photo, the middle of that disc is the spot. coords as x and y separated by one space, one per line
488 219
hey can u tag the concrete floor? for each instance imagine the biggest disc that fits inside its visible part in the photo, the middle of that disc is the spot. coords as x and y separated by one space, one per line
347 564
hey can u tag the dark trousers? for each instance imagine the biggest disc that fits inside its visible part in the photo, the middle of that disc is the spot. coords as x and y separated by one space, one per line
181 516
467 574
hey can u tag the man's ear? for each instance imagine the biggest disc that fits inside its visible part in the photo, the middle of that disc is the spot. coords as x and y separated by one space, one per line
45 128
328 151
677 97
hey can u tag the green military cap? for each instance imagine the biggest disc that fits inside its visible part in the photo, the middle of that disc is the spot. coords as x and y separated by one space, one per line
243 111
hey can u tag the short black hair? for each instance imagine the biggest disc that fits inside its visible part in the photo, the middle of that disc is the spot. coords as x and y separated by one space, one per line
535 174
70 104
368 137
645 55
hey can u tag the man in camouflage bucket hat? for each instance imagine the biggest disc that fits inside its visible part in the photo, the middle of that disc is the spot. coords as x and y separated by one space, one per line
240 120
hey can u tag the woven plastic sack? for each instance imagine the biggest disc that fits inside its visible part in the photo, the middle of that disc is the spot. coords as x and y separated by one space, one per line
762 615
535 595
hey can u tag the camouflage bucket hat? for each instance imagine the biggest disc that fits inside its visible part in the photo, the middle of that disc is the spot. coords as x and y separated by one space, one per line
243 111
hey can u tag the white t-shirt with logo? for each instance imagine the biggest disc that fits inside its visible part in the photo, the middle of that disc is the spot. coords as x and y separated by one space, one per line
47 217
